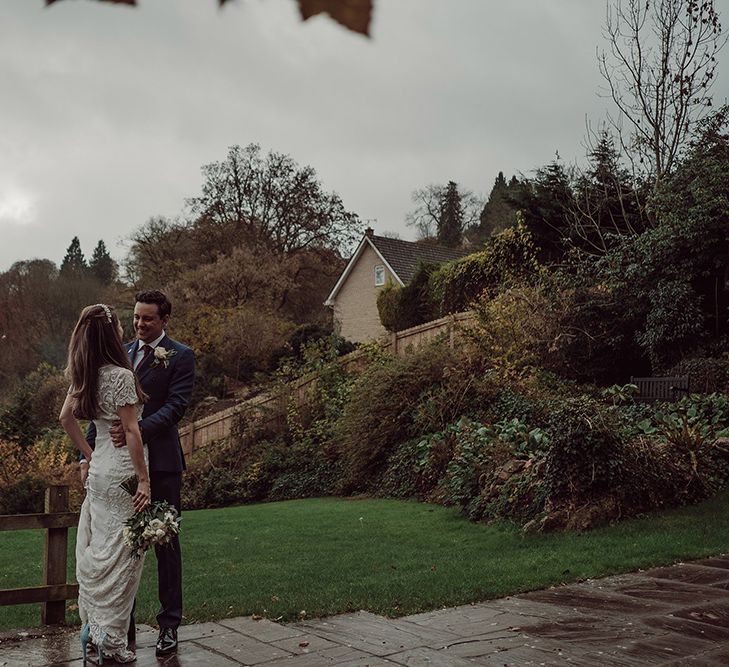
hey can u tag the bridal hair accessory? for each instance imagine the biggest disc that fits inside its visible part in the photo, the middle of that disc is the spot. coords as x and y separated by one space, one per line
107 311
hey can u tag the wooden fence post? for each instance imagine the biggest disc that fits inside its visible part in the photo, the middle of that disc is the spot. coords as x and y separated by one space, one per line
56 549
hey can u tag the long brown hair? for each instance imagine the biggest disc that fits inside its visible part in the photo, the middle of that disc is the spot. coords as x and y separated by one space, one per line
95 342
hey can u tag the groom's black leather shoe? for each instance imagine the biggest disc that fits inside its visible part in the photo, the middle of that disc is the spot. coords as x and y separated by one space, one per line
166 642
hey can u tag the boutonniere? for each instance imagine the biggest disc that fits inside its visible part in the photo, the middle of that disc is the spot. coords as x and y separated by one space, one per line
162 356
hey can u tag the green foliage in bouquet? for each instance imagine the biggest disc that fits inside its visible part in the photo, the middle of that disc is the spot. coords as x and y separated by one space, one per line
158 523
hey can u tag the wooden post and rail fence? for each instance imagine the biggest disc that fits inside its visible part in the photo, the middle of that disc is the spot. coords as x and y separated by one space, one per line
55 590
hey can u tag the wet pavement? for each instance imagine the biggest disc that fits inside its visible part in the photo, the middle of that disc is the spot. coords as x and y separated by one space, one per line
676 616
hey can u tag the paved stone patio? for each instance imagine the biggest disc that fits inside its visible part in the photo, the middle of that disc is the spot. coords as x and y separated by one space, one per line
676 616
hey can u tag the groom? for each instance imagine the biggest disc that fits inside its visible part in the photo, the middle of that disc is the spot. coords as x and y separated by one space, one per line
166 371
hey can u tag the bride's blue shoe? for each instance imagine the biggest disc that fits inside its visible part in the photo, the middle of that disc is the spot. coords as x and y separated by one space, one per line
85 640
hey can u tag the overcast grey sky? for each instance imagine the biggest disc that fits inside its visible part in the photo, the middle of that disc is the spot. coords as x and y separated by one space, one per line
108 112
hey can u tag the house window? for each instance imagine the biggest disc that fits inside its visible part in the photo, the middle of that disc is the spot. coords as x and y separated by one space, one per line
379 276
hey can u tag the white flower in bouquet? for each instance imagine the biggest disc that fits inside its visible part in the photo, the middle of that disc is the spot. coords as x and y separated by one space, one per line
156 524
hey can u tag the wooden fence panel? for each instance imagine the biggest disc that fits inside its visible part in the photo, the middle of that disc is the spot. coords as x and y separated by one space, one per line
55 591
214 427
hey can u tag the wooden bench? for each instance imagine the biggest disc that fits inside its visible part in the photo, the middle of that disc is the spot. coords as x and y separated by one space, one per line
661 388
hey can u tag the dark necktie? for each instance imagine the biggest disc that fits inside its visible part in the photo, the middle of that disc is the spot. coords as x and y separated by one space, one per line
146 349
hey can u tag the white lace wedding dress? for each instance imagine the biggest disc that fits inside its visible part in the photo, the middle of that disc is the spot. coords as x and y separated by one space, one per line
107 574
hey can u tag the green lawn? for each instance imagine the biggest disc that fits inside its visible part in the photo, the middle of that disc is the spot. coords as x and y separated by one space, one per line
331 555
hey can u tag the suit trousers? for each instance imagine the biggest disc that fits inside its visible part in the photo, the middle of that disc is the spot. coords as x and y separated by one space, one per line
168 486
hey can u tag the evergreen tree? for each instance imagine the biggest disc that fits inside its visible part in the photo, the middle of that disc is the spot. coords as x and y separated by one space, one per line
74 263
607 205
450 222
547 202
102 266
499 212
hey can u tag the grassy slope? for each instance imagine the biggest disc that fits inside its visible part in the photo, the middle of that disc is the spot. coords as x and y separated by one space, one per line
325 556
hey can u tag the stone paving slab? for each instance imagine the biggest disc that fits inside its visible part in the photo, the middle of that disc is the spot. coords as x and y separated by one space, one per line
375 634
242 649
673 616
691 574
416 657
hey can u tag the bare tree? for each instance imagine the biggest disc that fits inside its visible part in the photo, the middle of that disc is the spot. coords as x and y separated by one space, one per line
659 69
426 216
271 200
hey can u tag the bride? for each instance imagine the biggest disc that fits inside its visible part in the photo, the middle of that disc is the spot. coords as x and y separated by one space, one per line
105 390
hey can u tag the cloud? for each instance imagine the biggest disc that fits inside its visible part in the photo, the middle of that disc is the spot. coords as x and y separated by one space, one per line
109 112
16 207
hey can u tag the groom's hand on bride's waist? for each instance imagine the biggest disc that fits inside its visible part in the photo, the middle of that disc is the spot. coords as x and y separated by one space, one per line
117 434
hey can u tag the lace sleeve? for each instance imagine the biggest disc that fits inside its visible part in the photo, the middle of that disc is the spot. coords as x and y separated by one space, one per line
125 391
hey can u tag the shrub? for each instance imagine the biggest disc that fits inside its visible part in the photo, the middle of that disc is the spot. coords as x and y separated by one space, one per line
575 332
399 479
586 458
467 388
390 403
697 428
203 488
404 307
33 406
509 403
23 496
26 471
507 257
472 452
706 374
308 472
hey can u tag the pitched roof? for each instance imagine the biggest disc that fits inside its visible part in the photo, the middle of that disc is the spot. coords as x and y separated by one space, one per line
404 256
400 257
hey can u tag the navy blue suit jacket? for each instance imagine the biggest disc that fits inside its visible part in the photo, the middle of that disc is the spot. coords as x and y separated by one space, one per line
169 389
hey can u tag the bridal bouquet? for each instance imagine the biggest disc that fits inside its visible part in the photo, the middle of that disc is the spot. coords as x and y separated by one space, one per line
157 524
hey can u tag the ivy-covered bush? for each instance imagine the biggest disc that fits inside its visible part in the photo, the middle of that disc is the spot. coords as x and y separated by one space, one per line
508 257
437 290
399 478
210 485
404 307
